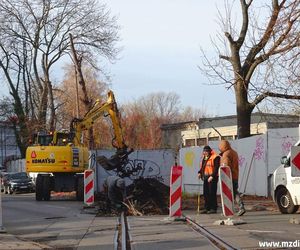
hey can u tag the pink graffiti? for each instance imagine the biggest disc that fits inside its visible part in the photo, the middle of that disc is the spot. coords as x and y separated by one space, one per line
259 149
286 145
242 160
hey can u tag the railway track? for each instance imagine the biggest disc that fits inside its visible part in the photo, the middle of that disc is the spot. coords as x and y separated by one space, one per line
122 240
214 239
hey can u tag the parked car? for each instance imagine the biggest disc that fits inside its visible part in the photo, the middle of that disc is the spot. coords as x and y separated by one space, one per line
18 182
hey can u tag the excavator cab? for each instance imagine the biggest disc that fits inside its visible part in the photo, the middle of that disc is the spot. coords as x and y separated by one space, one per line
41 138
50 138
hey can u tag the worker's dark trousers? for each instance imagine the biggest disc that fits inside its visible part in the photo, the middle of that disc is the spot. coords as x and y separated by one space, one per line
210 193
236 193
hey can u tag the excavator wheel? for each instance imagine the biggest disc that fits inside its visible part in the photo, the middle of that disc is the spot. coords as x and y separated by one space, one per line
39 188
79 188
46 188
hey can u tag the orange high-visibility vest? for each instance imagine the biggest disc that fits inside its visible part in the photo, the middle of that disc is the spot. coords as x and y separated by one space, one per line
209 166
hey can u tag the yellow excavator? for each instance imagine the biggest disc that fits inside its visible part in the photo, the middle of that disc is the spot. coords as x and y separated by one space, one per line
60 157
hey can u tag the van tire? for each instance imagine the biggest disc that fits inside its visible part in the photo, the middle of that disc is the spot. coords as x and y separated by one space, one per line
284 202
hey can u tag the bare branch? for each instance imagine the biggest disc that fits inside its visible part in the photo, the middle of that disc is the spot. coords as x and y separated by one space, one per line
262 96
227 58
245 21
229 37
267 34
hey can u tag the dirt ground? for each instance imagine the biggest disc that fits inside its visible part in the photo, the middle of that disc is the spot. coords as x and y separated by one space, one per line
151 197
252 202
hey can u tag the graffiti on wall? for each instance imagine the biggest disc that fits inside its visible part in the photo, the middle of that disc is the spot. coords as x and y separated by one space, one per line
286 144
242 161
189 158
259 151
142 168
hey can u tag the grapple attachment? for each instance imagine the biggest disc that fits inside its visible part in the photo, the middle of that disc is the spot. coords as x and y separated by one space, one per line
109 163
116 162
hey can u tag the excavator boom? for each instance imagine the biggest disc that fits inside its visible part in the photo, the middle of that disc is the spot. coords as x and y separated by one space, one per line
109 107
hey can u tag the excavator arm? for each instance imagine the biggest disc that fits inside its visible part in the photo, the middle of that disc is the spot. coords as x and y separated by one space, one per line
99 109
120 158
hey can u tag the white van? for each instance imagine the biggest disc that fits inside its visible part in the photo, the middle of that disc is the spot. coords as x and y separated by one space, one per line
285 188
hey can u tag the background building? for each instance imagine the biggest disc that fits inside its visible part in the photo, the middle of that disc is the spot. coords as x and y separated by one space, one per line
199 133
8 145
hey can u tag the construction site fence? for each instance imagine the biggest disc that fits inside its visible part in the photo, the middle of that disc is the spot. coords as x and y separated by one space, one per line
259 156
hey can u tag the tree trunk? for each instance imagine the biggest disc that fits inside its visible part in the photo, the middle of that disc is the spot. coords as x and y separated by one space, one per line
42 114
243 122
243 110
52 107
86 100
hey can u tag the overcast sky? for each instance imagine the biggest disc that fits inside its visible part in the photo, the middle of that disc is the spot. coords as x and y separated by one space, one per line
161 42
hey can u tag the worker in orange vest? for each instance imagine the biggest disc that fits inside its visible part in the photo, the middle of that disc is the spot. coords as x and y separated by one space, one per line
230 158
209 174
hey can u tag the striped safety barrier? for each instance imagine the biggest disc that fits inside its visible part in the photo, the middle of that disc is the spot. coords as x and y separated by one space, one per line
175 191
89 187
226 191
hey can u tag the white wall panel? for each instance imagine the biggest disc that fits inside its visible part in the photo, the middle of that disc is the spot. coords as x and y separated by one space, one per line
154 163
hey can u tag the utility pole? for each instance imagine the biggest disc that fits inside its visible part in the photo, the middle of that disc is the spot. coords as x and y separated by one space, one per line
2 230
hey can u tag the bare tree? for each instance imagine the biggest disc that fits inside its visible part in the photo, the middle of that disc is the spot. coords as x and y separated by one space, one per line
260 58
163 105
67 109
148 113
35 36
191 114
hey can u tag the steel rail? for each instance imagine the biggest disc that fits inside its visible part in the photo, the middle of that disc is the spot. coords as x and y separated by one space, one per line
116 236
124 232
122 237
214 239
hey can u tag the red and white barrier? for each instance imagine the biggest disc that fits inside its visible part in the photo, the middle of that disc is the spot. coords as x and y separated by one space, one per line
226 191
89 187
175 191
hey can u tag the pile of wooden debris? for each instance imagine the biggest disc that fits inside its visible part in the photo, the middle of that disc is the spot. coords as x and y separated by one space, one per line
148 196
145 196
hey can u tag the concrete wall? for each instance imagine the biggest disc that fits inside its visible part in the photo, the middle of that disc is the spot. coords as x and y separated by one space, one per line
280 142
154 163
259 156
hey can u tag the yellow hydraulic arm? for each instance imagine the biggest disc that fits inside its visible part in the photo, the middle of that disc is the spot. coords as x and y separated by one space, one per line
98 109
120 158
